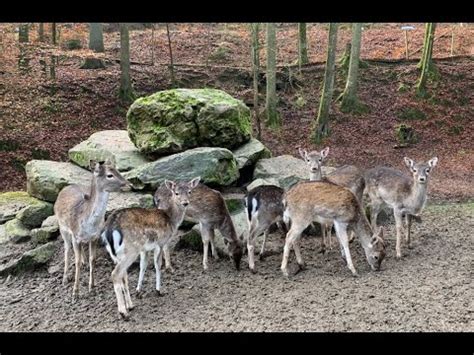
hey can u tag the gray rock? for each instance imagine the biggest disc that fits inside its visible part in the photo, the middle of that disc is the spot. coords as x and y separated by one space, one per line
45 178
284 170
32 216
102 145
119 200
258 182
215 166
29 261
250 152
12 202
16 232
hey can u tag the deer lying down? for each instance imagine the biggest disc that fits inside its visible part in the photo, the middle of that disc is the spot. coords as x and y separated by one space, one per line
134 231
264 207
327 202
208 208
406 196
80 212
348 176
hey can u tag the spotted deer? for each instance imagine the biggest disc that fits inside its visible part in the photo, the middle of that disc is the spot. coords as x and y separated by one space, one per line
325 202
264 207
348 176
405 195
80 212
131 232
208 208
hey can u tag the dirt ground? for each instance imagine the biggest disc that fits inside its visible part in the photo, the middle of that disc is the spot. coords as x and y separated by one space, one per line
430 289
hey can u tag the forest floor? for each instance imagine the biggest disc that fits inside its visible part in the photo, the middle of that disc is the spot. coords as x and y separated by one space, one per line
430 289
49 105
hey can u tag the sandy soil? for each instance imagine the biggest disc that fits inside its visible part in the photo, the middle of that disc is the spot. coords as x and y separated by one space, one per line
430 289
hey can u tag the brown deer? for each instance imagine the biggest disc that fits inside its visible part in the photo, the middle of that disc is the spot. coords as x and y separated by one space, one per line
406 196
264 207
326 202
80 212
131 232
207 207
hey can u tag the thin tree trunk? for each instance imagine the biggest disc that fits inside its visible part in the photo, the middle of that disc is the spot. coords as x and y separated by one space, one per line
41 31
273 119
322 122
96 43
126 93
152 44
53 33
350 102
302 45
255 52
23 33
427 66
173 82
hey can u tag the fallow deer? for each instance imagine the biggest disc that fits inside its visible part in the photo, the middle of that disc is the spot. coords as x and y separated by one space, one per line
406 196
326 202
80 212
134 231
207 207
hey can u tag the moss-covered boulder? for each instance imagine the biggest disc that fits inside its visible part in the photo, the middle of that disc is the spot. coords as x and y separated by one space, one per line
111 144
29 261
172 121
16 232
13 202
32 216
250 152
215 166
45 178
119 200
284 170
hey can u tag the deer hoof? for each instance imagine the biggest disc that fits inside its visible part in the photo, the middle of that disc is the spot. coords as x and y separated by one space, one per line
285 272
322 251
253 270
158 293
139 294
124 316
261 257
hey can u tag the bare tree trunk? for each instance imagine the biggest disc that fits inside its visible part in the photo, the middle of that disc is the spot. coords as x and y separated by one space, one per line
427 66
54 33
96 43
322 122
255 52
350 102
173 81
126 93
41 32
273 119
24 33
302 45
152 44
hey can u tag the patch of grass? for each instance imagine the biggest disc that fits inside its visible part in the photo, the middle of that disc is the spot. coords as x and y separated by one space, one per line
403 87
456 130
411 114
72 44
405 134
459 117
300 102
18 164
462 100
9 145
51 106
40 154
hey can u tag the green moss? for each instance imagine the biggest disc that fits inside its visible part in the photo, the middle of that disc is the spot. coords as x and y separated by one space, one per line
411 113
456 130
234 205
9 145
405 135
403 87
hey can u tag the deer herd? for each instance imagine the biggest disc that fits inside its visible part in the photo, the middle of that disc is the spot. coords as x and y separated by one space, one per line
335 200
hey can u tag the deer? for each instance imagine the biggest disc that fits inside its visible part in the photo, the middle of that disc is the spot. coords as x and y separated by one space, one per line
348 176
208 208
80 212
264 207
326 202
405 195
134 231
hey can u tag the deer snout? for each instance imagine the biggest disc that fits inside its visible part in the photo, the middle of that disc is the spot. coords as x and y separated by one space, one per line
314 168
185 203
422 179
126 186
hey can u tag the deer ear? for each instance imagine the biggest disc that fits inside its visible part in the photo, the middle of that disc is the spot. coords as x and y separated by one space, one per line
409 162
194 182
93 164
324 153
303 153
433 162
170 185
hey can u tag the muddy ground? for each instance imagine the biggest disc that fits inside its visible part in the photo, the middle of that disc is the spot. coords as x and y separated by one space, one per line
430 289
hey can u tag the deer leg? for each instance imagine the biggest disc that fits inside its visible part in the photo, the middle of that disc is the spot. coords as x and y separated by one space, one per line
294 232
251 243
157 259
375 208
323 240
262 249
143 265
299 258
398 227
341 232
67 253
119 278
92 253
328 234
205 242
77 257
213 247
408 230
128 299
166 255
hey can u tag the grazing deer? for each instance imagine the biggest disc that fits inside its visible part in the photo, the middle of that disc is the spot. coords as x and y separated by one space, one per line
208 208
326 202
80 212
406 196
348 176
264 207
134 231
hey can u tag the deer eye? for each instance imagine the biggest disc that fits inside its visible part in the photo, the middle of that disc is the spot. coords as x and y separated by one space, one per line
376 257
110 176
427 170
415 170
176 193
